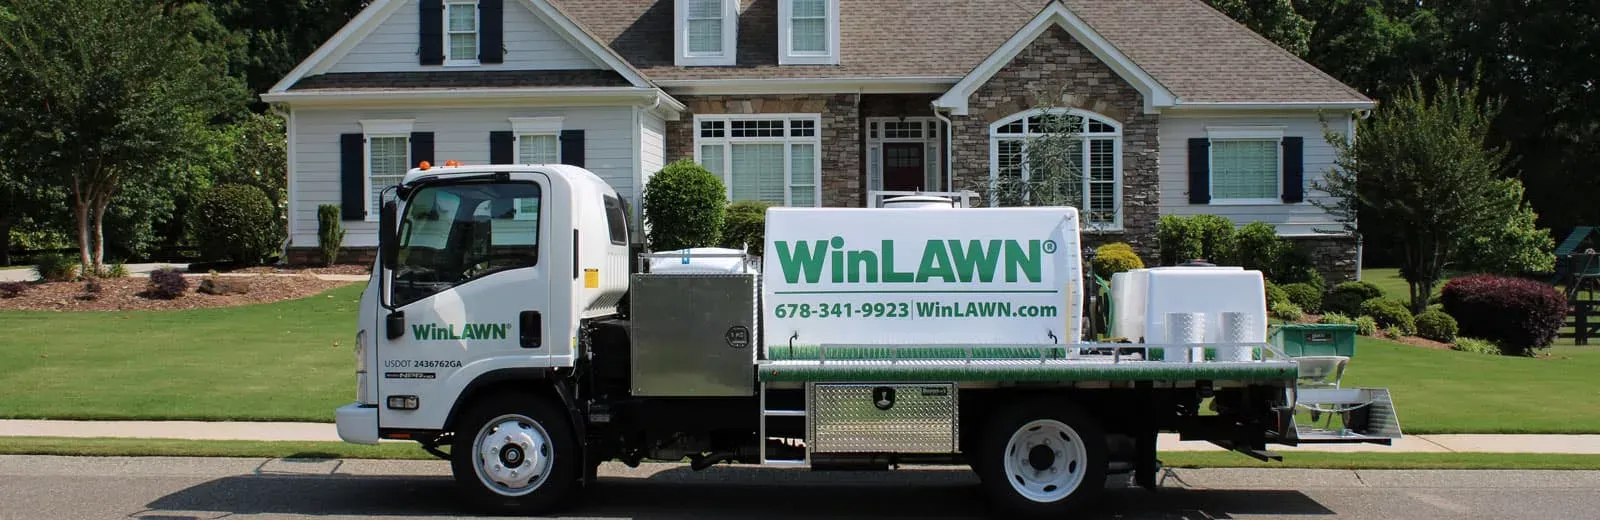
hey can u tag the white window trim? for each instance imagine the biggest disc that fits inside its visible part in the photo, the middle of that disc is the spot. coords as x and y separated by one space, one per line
1245 133
730 36
1116 159
727 140
374 128
788 56
931 171
477 34
526 126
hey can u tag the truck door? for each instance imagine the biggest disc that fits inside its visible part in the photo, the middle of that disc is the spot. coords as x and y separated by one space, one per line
467 292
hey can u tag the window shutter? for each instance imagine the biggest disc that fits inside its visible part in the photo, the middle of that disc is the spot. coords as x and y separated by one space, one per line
431 36
1199 171
500 149
421 148
1294 175
491 39
352 177
572 147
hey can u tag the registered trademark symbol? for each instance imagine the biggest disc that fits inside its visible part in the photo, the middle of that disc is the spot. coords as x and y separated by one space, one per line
1049 247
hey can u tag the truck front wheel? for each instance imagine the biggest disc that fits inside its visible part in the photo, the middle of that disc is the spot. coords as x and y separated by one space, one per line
1042 458
515 454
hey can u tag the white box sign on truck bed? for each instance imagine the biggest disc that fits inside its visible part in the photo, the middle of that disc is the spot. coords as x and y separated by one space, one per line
846 276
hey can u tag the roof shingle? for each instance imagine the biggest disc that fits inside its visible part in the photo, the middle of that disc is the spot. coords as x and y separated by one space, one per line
463 79
1194 51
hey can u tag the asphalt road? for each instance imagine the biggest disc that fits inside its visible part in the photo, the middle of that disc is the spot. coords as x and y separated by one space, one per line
193 488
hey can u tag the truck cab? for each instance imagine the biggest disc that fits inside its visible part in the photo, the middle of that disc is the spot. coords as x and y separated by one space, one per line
504 331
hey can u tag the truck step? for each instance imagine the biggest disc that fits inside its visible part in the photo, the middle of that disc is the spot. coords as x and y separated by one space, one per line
781 463
784 413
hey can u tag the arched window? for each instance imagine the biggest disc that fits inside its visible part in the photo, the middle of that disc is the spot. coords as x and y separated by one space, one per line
1094 149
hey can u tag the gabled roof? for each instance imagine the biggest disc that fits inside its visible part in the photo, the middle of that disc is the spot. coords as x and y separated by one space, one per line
462 79
1199 55
363 24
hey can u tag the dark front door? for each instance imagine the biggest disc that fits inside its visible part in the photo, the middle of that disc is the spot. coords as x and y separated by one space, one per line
903 167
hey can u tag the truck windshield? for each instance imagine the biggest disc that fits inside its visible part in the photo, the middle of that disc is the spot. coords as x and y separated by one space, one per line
453 234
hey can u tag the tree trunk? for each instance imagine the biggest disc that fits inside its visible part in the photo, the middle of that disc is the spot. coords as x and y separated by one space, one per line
80 209
99 234
5 239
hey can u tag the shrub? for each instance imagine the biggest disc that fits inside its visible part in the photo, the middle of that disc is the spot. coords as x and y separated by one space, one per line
167 283
1294 265
1519 315
1437 326
1334 318
330 233
1115 258
1388 313
1346 297
1476 346
1366 326
1288 312
13 289
1256 246
117 270
235 222
54 267
683 204
1305 296
219 286
746 224
1181 239
91 290
1276 295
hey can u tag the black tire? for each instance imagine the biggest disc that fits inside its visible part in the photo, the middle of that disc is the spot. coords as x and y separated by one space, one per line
998 480
550 493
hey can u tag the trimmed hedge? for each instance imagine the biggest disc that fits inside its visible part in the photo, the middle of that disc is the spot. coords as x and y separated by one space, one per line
1437 326
1257 246
684 205
746 223
1520 315
1115 258
1181 239
1305 296
235 222
1346 297
1390 313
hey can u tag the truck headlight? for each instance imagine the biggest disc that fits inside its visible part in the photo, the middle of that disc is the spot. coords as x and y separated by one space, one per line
361 368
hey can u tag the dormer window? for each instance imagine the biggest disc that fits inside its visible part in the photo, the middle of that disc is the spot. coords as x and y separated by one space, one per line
461 32
808 32
706 32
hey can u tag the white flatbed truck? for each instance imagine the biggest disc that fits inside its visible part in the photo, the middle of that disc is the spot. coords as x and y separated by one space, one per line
504 330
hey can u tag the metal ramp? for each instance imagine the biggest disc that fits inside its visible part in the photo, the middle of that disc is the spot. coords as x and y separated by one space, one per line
1346 415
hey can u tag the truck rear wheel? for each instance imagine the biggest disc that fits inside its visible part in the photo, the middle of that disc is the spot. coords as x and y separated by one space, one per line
515 454
1042 458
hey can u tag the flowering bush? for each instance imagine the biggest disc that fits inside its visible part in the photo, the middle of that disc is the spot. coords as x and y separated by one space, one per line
1519 315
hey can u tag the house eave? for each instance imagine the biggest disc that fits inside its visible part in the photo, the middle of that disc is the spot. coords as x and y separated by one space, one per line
843 85
626 96
1223 106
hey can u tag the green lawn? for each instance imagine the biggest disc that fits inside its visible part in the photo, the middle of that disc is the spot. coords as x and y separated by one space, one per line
282 361
105 447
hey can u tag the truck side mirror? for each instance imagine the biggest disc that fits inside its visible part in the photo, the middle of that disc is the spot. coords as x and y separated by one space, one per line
388 237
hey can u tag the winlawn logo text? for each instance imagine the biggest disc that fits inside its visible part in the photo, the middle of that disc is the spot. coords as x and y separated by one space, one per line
962 261
433 332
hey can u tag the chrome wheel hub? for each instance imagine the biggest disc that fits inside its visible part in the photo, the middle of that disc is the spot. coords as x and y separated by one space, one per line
512 455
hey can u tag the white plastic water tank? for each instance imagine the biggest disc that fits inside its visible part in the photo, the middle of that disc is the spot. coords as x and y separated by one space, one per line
919 201
1131 296
694 260
1233 303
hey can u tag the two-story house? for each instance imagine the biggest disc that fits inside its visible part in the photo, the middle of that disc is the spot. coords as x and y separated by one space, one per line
824 102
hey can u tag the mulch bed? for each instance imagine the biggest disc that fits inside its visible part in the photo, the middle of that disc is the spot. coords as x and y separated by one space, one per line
296 269
1421 342
129 294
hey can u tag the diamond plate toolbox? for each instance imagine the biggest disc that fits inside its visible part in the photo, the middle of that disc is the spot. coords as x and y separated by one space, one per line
867 418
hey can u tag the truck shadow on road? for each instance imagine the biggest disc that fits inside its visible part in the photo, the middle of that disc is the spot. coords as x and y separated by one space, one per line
716 493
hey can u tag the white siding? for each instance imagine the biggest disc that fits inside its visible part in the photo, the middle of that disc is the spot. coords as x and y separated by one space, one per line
461 134
1290 219
530 45
652 157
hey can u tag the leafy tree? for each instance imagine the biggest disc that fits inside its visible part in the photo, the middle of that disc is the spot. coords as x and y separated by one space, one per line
1276 20
1423 168
1376 46
271 37
1517 245
109 94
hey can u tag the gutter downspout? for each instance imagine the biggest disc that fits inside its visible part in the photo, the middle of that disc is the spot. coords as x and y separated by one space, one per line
950 176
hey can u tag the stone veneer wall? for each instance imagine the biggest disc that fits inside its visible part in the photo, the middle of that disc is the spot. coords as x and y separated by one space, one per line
842 182
347 255
1337 257
1053 64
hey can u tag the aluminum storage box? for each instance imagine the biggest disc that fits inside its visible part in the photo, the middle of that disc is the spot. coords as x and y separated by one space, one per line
694 334
868 418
